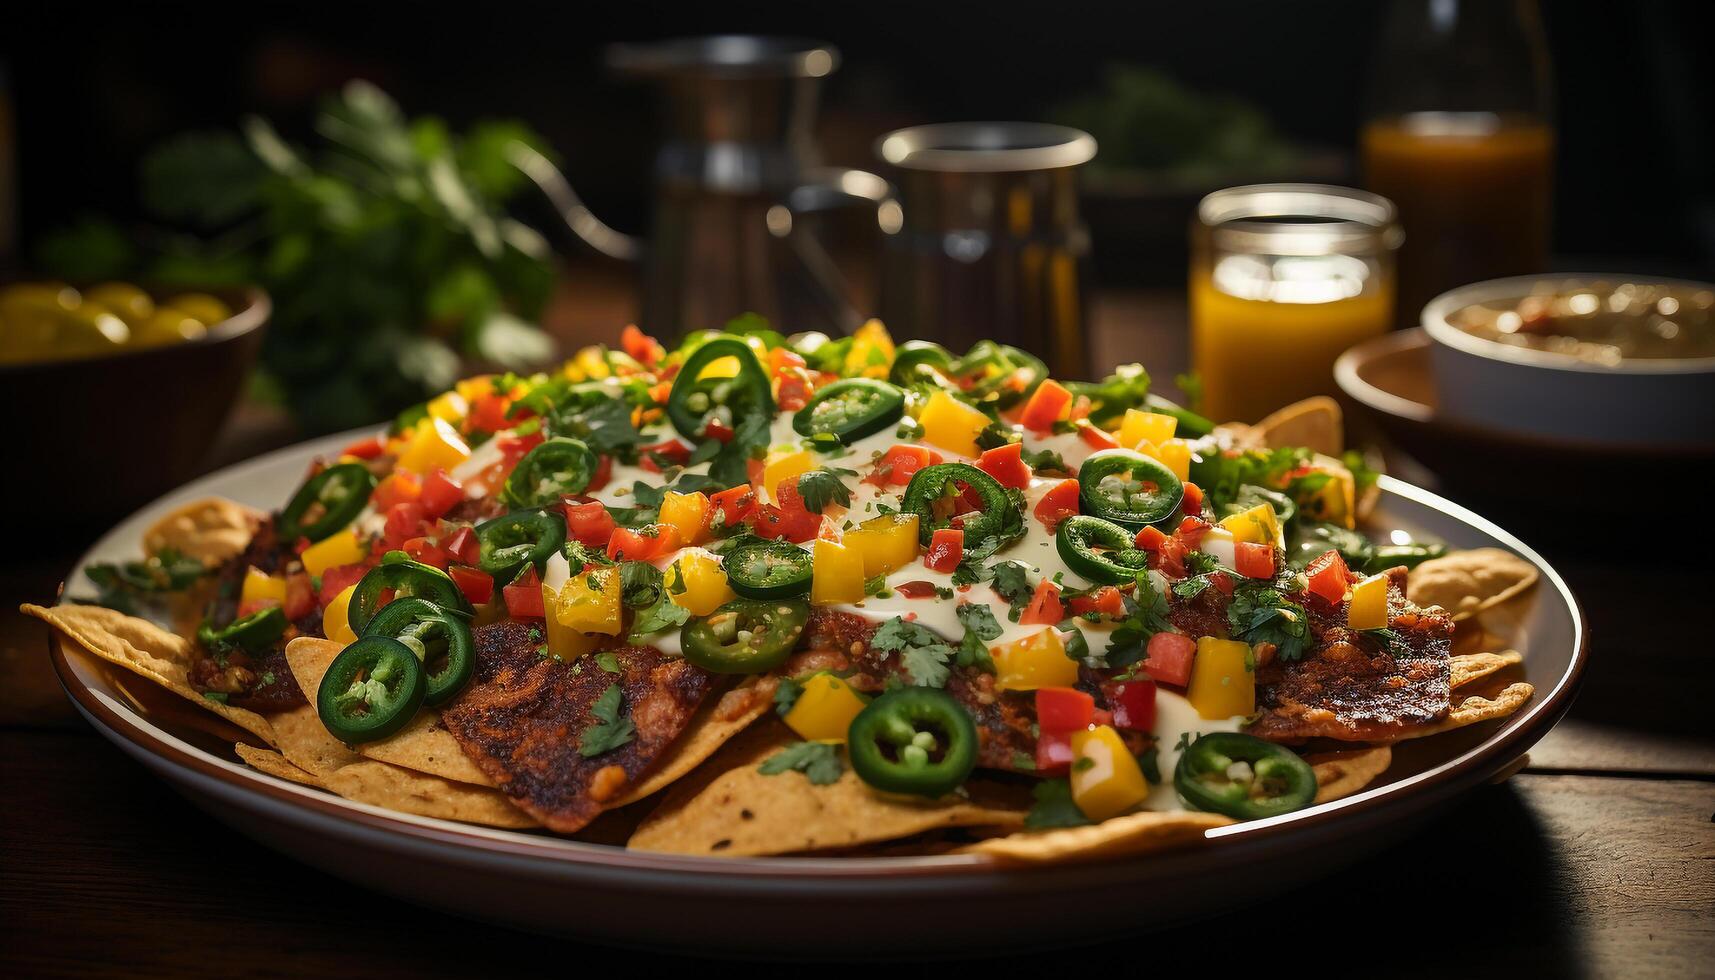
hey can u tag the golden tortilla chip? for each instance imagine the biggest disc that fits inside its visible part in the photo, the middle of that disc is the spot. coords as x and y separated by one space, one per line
146 650
1468 668
1120 837
274 764
714 724
729 808
423 745
1476 709
1467 582
380 784
1314 423
210 530
304 741
1340 774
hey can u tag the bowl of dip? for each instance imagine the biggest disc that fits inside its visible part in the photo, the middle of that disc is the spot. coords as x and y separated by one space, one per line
1587 358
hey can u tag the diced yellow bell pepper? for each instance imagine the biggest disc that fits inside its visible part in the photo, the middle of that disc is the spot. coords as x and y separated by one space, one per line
449 407
1106 779
702 580
591 362
952 425
565 642
784 466
590 602
258 585
336 622
689 512
1368 608
433 443
1223 682
338 548
1036 661
1257 525
887 543
838 574
472 388
825 709
1175 454
1150 427
871 353
1336 500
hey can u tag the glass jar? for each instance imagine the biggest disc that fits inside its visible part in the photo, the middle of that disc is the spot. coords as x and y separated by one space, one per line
1285 278
1459 136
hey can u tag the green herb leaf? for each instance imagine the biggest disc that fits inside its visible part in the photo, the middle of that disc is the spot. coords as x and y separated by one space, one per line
1054 806
921 654
818 761
609 731
821 487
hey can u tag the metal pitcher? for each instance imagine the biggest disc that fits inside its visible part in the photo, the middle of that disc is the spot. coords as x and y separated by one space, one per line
990 244
734 178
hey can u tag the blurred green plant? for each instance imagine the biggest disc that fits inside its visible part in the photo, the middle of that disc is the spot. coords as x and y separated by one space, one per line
385 249
1144 119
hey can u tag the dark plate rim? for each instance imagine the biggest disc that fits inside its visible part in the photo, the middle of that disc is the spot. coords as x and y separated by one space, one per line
1515 736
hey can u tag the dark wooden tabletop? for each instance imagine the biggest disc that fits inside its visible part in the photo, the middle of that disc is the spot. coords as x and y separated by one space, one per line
1597 858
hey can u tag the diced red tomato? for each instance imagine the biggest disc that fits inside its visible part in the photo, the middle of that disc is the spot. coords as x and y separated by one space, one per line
477 586
916 590
588 522
732 505
671 453
900 463
1192 504
488 413
1253 559
1105 601
300 598
524 596
644 349
464 546
402 487
1006 465
1096 437
782 359
603 473
644 543
1191 530
1053 753
1329 576
795 524
425 551
1133 704
1150 538
368 448
1059 503
1063 709
404 521
1048 404
1169 658
794 390
336 579
1223 582
1045 608
515 447
946 549
440 493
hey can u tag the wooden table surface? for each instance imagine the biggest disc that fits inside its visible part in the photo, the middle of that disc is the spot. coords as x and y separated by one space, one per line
1596 859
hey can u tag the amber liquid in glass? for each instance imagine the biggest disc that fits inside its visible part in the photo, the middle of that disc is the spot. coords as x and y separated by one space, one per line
1473 191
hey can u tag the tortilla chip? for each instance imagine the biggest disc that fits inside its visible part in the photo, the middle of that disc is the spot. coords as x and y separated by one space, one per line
305 742
210 530
1476 709
1121 837
274 764
1314 423
1470 667
1467 582
380 784
711 727
424 745
146 650
1340 774
730 809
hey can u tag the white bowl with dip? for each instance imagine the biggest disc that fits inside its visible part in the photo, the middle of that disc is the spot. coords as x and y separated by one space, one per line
1585 392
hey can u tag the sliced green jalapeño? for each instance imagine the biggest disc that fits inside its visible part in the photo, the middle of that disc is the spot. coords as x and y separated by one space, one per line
850 409
1128 488
371 690
509 542
402 577
915 740
327 502
1100 551
745 636
768 570
548 472
960 495
1243 777
696 401
439 638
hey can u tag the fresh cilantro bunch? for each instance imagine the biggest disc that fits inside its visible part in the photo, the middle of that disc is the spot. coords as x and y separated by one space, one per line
384 247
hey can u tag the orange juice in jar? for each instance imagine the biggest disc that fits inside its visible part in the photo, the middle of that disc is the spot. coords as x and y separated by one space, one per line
1284 278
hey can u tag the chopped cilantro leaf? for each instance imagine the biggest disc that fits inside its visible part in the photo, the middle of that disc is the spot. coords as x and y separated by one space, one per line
786 695
609 731
818 761
822 487
922 655
1054 806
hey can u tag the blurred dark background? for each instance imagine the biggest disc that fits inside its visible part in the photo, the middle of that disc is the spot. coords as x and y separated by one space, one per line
93 86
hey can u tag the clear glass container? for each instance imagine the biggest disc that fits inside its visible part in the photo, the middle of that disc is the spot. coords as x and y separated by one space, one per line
1459 135
1285 278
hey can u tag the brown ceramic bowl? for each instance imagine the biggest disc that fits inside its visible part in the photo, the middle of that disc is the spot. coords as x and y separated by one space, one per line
98 436
783 906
